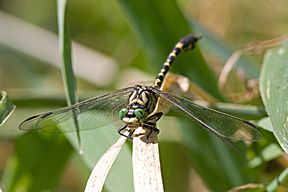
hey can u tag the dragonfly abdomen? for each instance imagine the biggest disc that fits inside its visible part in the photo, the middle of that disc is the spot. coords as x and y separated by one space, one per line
184 44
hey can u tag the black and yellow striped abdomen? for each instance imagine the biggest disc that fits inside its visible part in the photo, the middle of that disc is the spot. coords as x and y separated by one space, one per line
184 44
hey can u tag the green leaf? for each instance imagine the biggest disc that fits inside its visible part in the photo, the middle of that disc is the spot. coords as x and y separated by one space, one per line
6 107
274 89
95 142
65 52
37 164
173 153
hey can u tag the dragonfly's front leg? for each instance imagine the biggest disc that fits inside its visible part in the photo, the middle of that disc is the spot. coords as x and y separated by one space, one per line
124 127
120 131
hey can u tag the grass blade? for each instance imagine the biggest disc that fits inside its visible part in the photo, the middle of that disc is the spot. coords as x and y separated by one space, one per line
100 171
65 54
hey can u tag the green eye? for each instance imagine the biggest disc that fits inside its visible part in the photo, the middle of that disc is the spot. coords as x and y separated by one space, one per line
122 113
140 114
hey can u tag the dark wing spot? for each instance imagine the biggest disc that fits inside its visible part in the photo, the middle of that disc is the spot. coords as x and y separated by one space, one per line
33 117
46 115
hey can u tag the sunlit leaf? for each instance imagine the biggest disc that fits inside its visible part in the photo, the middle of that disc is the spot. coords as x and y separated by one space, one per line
274 88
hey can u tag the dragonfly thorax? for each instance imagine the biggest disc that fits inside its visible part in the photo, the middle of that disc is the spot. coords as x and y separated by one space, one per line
141 104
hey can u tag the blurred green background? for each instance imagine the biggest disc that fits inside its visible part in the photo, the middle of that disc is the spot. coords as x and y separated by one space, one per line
120 43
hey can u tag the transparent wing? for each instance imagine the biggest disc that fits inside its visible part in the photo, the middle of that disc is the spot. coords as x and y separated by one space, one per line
91 113
221 124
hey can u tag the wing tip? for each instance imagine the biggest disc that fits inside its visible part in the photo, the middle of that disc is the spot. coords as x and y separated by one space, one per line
22 124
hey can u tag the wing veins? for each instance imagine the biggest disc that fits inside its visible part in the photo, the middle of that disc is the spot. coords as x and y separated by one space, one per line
63 114
245 128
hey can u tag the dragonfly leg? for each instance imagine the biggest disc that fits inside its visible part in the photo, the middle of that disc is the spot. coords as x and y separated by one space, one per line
155 117
120 131
152 127
131 131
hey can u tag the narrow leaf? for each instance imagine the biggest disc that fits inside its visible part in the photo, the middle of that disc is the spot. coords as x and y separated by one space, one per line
102 168
66 60
95 144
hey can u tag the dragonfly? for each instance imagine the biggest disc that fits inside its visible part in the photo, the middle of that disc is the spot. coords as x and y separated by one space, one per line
140 105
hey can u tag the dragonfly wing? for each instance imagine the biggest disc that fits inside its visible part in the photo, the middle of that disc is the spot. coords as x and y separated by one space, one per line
221 124
92 113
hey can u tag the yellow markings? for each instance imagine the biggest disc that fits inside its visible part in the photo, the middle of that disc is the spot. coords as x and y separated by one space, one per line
172 54
132 96
133 101
157 81
163 70
144 97
130 120
242 134
179 45
140 102
136 101
167 64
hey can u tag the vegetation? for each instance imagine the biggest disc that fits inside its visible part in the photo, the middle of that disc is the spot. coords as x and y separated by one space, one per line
119 43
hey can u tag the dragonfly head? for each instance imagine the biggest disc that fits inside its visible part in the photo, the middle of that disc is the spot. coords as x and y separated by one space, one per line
141 103
132 115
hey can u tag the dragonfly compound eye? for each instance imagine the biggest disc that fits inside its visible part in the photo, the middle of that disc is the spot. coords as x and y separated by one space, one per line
122 113
140 114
